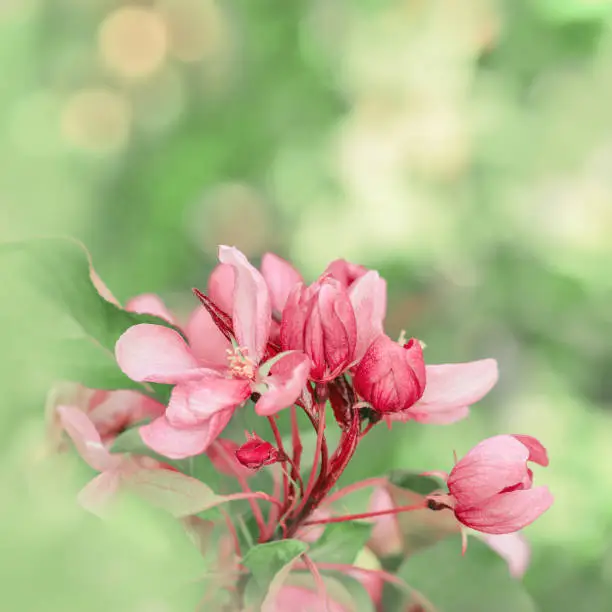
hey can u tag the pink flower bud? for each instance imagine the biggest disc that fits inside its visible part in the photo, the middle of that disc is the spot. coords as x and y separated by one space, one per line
491 487
345 271
255 453
319 320
391 376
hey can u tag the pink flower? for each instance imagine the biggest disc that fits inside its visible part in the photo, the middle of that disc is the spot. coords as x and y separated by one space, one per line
300 599
211 376
333 325
391 376
345 271
255 453
394 379
491 487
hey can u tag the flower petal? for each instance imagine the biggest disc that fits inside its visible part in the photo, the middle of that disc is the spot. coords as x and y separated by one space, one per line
368 295
207 342
431 418
456 385
120 409
86 439
285 384
507 512
281 277
154 353
386 538
194 402
221 287
96 495
149 303
177 443
513 548
252 311
537 453
491 466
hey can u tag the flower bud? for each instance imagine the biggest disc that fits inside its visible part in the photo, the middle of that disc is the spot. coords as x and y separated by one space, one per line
391 376
319 320
491 487
255 453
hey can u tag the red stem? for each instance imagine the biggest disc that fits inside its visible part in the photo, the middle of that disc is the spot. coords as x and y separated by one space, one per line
318 451
321 590
274 511
366 515
232 529
288 488
370 482
296 441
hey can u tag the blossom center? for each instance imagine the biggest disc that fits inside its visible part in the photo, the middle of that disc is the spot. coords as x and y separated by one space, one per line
240 366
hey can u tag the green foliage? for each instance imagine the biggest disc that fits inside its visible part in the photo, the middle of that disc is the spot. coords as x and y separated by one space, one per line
61 271
341 542
270 565
440 574
423 485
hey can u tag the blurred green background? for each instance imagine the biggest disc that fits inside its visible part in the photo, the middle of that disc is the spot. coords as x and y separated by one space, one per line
463 148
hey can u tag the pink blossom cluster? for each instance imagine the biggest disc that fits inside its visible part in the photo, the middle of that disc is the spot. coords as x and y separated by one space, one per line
264 340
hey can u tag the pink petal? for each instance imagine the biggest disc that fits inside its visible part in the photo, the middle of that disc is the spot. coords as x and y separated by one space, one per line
120 409
177 443
456 385
155 353
86 439
149 303
507 512
252 312
194 402
386 538
513 548
368 295
432 418
99 492
207 343
285 384
281 277
491 466
537 453
221 287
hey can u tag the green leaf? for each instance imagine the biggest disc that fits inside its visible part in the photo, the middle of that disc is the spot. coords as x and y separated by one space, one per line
176 493
341 542
413 481
60 269
81 360
448 580
270 564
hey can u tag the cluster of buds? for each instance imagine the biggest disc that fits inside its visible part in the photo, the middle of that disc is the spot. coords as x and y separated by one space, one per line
265 338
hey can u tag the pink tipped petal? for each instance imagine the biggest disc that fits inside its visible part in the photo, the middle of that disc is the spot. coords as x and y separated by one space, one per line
281 277
513 548
432 418
491 466
508 512
537 453
368 296
149 303
221 287
207 342
86 439
177 443
456 385
194 402
99 492
154 353
252 311
288 378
